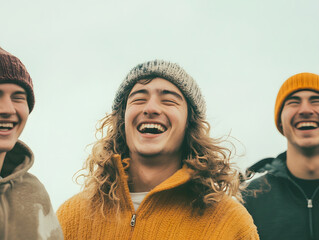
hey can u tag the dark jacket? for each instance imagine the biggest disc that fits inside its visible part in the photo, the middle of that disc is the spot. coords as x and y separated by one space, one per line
281 209
25 208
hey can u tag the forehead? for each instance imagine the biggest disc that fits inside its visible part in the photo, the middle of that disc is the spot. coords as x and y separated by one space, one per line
304 93
157 84
10 87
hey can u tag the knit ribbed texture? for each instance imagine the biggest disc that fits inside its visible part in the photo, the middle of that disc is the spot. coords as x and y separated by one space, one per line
295 83
165 213
169 71
12 70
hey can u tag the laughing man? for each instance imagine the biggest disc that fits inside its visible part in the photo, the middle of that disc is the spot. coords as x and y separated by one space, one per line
25 207
155 173
285 202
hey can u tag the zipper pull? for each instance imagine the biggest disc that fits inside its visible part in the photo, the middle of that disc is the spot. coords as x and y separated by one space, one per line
309 203
133 220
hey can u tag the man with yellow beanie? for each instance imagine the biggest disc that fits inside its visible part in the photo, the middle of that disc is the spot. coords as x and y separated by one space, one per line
284 202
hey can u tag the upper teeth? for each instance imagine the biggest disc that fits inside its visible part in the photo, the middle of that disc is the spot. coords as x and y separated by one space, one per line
6 125
307 124
151 125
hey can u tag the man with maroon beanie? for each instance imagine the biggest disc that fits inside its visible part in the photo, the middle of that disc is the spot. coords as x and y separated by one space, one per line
25 207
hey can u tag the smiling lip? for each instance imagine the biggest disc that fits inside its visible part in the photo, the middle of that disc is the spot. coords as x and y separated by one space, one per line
8 127
306 125
6 133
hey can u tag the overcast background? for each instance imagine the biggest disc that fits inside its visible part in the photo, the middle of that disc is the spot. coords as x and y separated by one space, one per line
78 52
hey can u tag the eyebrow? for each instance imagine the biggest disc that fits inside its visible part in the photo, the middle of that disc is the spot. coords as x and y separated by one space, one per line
298 98
20 92
144 91
168 92
293 98
16 92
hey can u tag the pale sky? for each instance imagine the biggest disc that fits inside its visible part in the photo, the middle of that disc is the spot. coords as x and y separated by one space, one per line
78 52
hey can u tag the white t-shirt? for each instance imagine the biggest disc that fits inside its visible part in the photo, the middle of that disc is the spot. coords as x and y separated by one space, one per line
137 198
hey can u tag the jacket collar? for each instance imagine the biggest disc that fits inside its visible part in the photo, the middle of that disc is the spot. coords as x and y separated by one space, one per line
179 178
275 166
16 162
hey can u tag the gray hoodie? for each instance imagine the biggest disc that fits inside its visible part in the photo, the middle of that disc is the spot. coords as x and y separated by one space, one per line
25 207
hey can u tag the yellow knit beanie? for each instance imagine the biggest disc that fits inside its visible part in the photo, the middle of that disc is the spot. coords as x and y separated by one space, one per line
293 84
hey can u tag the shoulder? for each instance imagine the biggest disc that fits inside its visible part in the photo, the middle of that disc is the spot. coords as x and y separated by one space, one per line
77 218
231 209
74 206
32 180
259 181
30 189
29 203
263 191
72 212
264 184
232 215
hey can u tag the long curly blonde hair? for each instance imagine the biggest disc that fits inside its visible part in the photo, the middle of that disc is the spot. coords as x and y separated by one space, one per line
213 176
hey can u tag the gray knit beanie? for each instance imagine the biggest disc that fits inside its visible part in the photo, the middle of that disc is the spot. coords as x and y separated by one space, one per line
169 71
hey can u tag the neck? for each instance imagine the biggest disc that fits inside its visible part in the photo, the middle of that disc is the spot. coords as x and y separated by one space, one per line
148 172
2 155
303 163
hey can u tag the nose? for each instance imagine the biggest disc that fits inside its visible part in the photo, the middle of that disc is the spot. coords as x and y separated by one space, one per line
6 107
152 107
306 109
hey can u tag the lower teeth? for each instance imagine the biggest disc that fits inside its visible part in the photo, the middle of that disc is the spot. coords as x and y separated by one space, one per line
4 129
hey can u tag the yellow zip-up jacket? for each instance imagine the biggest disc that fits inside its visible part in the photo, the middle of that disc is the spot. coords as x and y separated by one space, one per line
165 213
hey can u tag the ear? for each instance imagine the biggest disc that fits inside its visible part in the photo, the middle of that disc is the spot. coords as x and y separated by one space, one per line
281 129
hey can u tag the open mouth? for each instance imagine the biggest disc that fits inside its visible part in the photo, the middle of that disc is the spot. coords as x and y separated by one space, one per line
151 128
6 126
306 125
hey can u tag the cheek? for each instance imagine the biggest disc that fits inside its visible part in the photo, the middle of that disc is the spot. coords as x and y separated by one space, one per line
286 115
23 112
181 119
286 119
129 118
126 122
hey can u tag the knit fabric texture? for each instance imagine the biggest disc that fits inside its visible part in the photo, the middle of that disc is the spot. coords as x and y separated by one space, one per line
300 81
168 71
12 70
165 213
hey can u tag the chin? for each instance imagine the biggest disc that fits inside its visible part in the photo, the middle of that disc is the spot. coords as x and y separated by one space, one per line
309 148
150 154
6 147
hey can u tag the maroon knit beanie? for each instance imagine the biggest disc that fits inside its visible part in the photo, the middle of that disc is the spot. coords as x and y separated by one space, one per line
12 70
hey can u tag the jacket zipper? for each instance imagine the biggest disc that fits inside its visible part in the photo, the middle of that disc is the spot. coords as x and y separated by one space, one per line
133 220
309 206
310 217
132 224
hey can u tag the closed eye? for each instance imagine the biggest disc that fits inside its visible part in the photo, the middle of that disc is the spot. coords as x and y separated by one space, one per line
170 102
139 100
19 97
291 102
